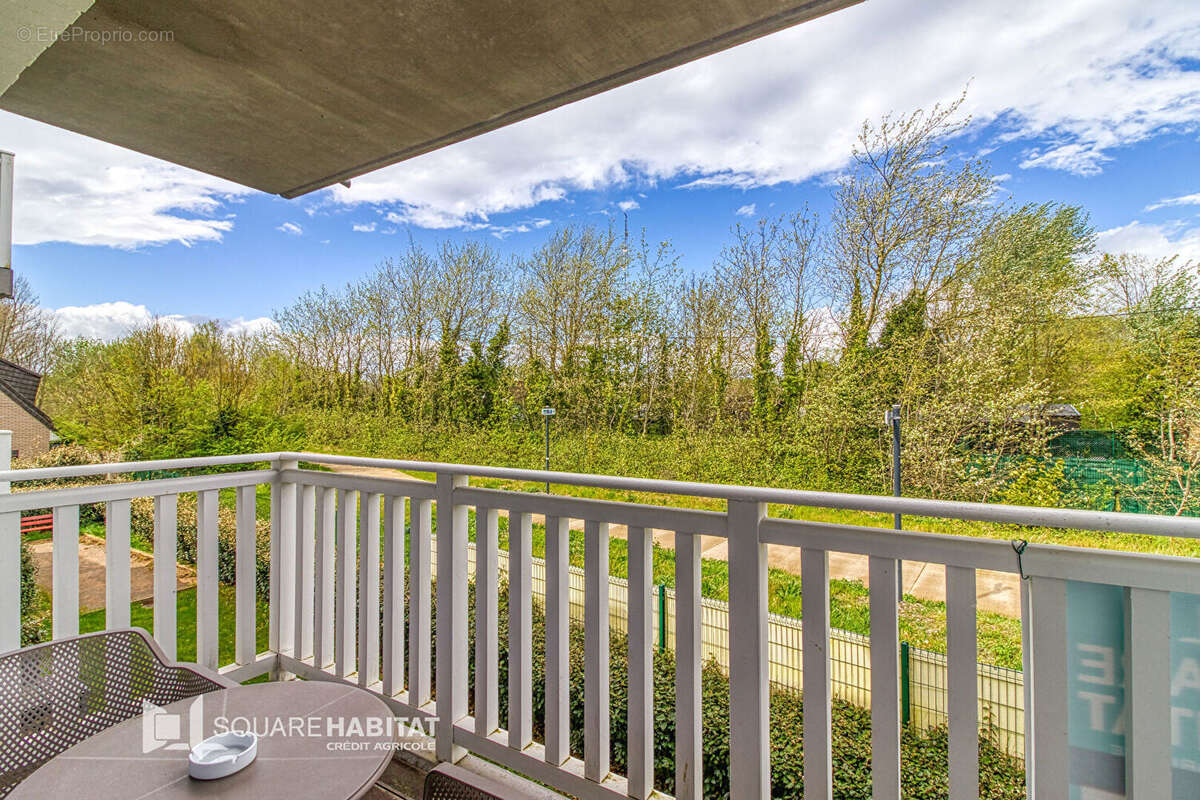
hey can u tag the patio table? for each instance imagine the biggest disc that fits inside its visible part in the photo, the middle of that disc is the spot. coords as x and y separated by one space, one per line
316 739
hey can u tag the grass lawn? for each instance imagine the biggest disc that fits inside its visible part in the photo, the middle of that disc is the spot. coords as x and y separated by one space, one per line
142 616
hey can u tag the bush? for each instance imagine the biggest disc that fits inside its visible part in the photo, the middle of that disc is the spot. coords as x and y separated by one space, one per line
142 527
32 622
924 765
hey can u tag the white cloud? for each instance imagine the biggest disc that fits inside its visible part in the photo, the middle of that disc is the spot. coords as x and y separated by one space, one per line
748 210
364 227
70 188
252 327
1168 202
1076 80
1153 241
291 228
108 321
1071 81
628 205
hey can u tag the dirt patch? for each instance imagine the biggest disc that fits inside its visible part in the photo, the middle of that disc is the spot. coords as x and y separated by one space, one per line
92 567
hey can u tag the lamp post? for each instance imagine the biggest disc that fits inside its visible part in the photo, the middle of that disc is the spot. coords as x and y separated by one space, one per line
892 417
547 413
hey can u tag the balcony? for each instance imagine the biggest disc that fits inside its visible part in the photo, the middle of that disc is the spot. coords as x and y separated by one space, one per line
358 565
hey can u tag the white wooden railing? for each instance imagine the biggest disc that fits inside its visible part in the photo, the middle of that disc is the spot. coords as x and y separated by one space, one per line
336 536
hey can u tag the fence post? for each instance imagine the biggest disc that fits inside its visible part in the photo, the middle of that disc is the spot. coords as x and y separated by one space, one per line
905 700
662 617
10 560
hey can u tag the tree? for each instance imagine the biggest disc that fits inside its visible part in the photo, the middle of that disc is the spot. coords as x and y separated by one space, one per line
28 333
904 218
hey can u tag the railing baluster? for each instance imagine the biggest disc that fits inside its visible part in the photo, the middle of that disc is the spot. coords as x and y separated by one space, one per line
520 630
750 749
10 559
962 682
640 737
452 615
487 642
689 775
305 564
344 592
287 567
65 568
324 600
368 591
246 576
116 564
596 689
207 585
419 598
818 752
393 595
885 680
558 645
1051 757
166 524
1148 693
282 576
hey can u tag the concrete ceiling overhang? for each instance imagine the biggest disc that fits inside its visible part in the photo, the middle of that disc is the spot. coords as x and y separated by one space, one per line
289 96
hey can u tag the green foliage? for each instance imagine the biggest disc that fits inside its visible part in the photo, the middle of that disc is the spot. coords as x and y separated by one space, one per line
33 629
923 753
142 529
1035 483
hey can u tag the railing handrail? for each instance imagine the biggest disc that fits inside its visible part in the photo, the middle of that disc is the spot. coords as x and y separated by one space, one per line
1106 521
121 467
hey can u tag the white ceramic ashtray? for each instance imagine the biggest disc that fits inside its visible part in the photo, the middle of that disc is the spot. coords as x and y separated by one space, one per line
222 755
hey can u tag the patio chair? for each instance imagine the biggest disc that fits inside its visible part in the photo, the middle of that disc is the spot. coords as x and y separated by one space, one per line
55 695
452 782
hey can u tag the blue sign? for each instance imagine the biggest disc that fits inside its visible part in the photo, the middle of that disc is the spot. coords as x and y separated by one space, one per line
1096 684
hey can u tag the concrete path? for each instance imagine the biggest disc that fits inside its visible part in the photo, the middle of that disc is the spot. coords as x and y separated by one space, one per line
997 592
92 572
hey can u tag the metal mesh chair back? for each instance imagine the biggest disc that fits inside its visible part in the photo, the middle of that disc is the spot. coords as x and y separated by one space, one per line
55 695
449 782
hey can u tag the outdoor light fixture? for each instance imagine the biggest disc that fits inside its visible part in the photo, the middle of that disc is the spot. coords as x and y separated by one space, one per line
547 413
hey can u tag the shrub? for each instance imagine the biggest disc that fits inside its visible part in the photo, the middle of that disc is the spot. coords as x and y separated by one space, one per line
32 621
142 527
924 765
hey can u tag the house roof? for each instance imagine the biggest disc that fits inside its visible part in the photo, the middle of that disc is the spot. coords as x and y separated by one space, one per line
289 96
21 385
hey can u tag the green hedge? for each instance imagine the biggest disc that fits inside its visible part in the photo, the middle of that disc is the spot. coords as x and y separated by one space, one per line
924 767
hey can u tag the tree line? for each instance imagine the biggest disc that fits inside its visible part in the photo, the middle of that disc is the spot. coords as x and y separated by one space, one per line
920 286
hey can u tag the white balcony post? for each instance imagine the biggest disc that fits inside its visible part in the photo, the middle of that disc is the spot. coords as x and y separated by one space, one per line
281 619
1051 751
818 750
117 516
451 615
166 531
207 585
10 560
749 717
65 569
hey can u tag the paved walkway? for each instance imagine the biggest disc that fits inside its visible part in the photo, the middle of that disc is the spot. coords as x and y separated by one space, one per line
997 592
92 572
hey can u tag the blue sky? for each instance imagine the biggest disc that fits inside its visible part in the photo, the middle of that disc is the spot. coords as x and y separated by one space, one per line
1091 103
